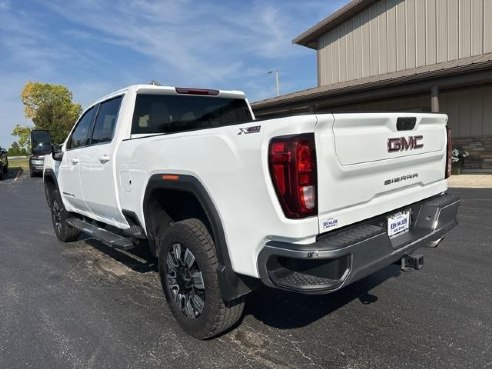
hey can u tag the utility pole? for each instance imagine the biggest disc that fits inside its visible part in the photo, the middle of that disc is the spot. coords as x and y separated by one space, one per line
277 80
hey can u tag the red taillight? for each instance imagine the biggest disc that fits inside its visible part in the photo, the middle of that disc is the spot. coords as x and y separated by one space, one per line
449 158
292 162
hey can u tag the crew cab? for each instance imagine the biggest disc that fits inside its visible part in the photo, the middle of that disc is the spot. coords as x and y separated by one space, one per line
305 203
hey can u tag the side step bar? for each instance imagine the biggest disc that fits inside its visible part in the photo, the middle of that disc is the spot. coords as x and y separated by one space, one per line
101 234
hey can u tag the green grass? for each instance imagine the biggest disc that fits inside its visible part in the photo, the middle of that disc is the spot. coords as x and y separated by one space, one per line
19 163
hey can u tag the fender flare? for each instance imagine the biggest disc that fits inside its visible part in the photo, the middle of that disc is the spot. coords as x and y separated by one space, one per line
232 285
51 174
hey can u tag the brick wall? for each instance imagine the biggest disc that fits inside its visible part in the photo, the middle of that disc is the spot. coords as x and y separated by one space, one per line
480 150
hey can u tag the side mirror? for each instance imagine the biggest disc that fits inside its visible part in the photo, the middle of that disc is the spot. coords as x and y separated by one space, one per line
40 142
56 152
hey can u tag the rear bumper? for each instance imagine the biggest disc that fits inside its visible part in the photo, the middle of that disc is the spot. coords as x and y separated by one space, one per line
36 168
341 257
36 165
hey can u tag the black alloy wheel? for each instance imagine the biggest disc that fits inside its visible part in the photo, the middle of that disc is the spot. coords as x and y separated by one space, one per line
188 270
185 281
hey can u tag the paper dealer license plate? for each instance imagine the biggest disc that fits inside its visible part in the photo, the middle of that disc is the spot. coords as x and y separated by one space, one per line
398 223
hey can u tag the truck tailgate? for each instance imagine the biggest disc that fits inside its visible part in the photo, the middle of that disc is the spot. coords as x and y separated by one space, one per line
370 164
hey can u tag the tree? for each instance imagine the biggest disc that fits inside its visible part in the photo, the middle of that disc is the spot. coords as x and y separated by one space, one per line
15 150
50 107
23 134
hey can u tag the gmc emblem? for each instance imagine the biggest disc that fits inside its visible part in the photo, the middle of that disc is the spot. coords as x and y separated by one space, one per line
403 144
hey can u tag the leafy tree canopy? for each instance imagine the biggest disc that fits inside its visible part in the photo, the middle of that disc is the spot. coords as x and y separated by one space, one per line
23 134
15 150
50 107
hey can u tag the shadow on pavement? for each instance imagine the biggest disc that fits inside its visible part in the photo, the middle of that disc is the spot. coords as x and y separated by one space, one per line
276 308
139 259
286 310
13 173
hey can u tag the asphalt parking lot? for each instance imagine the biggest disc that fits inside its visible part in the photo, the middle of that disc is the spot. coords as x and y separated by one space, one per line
83 305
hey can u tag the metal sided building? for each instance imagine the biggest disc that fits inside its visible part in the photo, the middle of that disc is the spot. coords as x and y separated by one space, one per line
404 55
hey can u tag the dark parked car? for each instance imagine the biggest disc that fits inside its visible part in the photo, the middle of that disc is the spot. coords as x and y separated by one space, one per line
41 146
4 162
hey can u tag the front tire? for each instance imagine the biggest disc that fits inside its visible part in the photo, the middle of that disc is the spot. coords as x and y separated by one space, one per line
63 231
188 271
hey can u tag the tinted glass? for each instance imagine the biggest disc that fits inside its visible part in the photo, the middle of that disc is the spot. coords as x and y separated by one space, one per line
40 142
80 135
178 113
106 121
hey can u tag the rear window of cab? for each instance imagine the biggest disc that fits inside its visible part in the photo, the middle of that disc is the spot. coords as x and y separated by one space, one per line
156 113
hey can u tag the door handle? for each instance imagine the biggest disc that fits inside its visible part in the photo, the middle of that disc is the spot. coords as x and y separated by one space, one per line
75 161
104 159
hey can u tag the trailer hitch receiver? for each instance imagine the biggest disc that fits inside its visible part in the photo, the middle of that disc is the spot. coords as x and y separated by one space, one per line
412 262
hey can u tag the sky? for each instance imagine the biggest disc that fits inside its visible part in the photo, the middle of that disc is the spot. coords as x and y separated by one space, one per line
95 47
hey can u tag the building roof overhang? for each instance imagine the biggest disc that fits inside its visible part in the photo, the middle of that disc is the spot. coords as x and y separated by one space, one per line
309 38
474 70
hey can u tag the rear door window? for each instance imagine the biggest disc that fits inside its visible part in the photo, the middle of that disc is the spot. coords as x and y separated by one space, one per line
106 121
80 135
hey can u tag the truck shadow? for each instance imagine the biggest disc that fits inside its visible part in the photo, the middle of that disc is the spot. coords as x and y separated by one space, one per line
288 310
276 308
138 259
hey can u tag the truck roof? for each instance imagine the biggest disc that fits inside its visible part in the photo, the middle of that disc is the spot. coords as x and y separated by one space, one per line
147 88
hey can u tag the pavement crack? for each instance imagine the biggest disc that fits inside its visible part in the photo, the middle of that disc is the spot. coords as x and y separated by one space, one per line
241 353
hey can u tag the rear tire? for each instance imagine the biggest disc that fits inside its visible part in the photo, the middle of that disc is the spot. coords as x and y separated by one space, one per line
63 231
188 271
2 171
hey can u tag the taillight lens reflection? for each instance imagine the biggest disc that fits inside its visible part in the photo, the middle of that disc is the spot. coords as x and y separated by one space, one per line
292 162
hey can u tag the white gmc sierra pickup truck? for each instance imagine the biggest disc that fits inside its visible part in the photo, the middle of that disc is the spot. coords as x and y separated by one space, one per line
307 203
